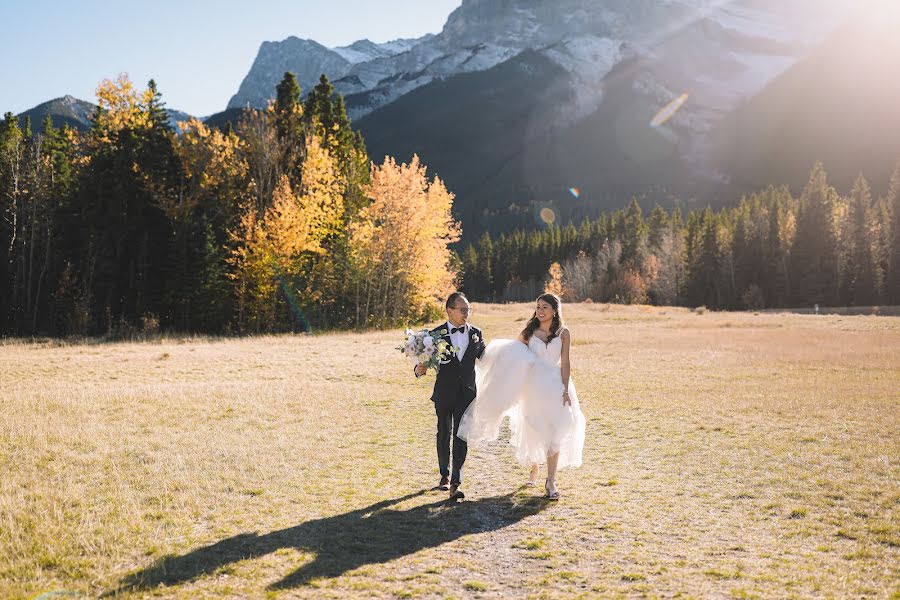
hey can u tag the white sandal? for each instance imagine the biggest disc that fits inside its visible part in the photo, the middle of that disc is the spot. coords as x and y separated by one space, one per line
554 495
532 478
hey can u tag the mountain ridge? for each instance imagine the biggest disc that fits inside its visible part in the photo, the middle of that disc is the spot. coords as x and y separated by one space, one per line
76 113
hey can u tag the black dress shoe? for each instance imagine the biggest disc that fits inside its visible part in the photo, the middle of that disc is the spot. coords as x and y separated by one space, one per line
444 484
455 492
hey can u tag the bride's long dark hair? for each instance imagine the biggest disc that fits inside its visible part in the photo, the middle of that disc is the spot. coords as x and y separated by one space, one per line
555 325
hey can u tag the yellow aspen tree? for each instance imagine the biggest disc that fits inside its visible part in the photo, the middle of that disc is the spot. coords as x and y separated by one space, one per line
215 172
555 280
322 193
253 273
282 247
210 157
290 227
121 106
401 245
267 253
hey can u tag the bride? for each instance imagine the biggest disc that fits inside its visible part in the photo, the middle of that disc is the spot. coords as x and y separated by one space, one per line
528 380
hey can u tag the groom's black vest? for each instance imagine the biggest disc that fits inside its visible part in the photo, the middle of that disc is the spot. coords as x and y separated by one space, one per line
455 382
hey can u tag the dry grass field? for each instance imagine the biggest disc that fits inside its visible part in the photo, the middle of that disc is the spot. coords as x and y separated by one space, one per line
728 455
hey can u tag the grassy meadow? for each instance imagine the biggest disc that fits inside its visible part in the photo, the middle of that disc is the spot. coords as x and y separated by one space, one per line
728 455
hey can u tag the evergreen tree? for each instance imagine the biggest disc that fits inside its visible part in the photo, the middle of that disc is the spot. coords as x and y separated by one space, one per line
318 108
634 236
287 94
748 249
126 207
882 249
210 297
156 109
47 126
692 238
59 155
892 287
287 108
469 283
704 287
741 260
775 269
290 130
862 271
325 113
658 224
813 259
484 273
350 149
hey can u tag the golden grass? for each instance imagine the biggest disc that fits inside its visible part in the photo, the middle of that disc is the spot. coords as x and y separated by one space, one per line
728 455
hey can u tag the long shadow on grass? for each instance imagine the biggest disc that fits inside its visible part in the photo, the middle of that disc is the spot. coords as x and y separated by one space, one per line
371 535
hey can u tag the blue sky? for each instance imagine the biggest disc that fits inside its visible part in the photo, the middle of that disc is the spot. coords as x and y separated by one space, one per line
198 51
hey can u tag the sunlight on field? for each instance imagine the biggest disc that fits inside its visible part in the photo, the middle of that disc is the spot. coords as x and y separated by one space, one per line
728 455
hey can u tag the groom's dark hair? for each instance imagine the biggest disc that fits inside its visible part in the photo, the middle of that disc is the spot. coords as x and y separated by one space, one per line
452 298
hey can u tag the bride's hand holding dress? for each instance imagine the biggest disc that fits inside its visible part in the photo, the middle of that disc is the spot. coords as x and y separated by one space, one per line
522 380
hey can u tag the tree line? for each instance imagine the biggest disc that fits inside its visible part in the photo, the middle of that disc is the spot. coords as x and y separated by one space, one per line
278 224
282 223
772 250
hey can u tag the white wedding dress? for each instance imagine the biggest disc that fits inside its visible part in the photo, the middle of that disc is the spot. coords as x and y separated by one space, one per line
525 384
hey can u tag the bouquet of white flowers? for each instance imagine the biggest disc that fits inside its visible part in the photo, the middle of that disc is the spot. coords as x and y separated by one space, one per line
427 348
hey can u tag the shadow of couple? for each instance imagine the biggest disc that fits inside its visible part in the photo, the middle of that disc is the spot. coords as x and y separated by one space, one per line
371 535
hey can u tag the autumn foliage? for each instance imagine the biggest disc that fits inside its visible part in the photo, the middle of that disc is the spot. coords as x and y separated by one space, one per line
279 223
401 244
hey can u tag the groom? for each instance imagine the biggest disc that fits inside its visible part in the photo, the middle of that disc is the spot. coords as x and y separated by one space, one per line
454 388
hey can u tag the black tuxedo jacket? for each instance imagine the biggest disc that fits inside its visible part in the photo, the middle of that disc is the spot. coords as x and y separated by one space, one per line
455 381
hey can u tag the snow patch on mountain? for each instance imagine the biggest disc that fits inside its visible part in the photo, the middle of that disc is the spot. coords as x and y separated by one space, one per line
589 59
719 52
366 50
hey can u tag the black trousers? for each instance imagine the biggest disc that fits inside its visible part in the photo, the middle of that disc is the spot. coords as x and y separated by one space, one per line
448 417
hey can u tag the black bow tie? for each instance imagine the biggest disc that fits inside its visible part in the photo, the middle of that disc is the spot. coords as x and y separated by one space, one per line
460 329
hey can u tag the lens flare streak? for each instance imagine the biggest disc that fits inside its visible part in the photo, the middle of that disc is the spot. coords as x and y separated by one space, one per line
576 193
292 300
668 111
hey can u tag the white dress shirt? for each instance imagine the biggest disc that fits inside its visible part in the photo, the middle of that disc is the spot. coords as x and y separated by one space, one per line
460 339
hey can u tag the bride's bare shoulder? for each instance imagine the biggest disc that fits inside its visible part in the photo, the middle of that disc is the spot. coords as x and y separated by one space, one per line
564 334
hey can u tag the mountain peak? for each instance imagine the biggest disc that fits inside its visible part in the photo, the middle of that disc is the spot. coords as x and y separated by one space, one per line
77 114
481 34
297 41
307 59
